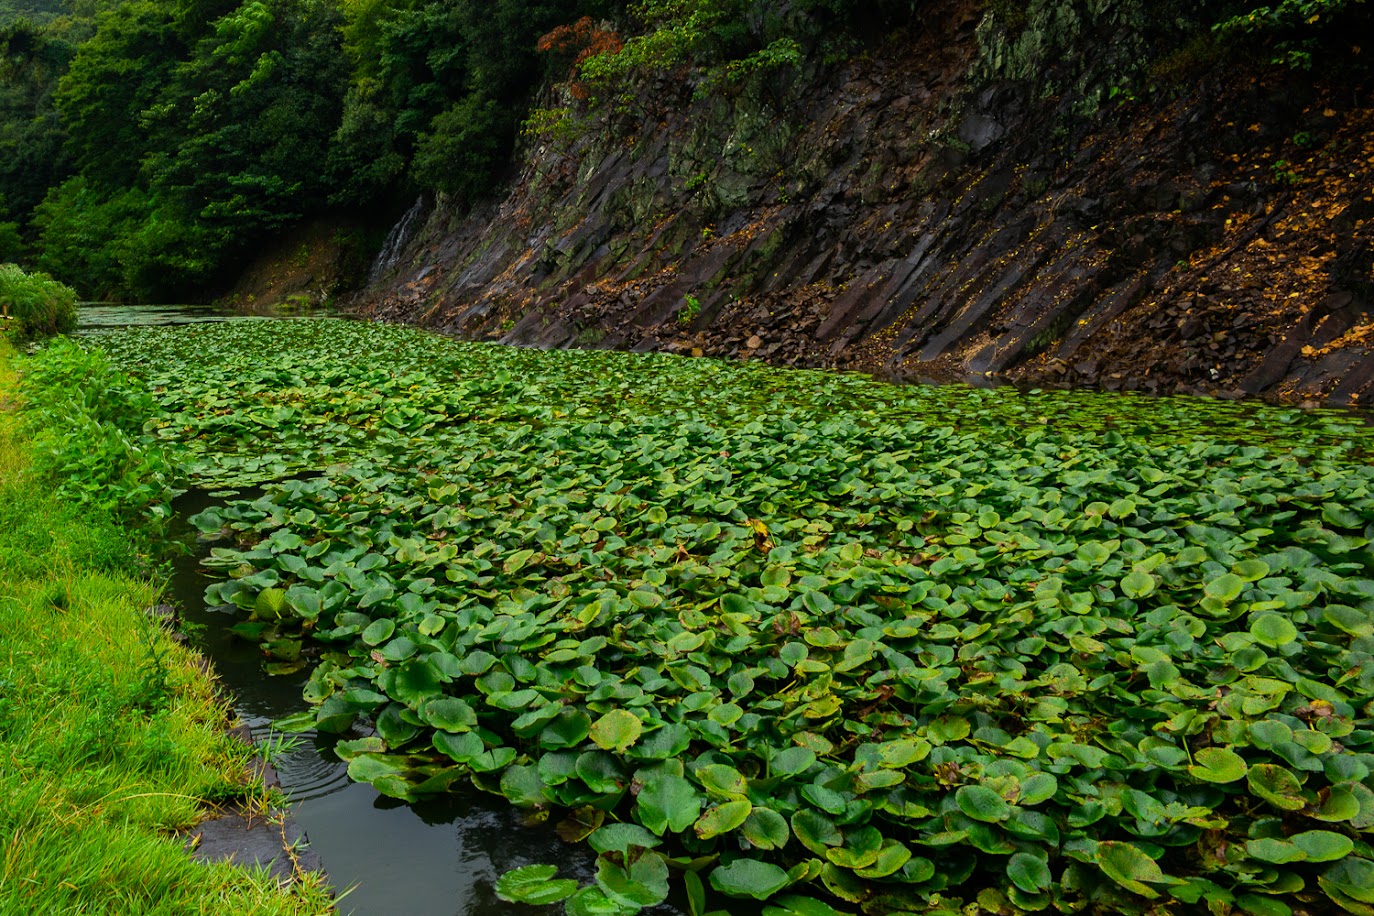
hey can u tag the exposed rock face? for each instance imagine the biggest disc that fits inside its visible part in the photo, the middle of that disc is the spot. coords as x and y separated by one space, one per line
898 218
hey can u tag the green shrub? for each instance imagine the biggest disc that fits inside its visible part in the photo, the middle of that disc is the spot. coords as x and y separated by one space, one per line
1293 28
36 304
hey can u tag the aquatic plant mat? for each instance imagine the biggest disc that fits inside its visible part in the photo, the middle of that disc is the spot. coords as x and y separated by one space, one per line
111 737
803 638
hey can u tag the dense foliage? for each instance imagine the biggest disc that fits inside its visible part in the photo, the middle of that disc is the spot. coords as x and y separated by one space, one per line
30 10
34 303
85 422
798 636
146 146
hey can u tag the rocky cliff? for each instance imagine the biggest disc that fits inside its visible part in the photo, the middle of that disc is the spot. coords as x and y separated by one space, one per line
915 213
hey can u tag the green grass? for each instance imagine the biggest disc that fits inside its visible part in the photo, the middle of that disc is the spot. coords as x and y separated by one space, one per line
110 737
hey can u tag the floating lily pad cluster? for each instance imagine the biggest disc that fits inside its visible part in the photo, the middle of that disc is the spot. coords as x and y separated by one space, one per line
804 638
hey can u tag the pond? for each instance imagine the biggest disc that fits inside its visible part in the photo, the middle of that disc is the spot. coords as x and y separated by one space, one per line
782 633
93 318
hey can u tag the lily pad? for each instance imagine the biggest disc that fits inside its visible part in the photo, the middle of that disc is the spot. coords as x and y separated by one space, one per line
533 885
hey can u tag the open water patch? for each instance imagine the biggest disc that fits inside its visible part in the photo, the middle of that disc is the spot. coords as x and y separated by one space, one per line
95 318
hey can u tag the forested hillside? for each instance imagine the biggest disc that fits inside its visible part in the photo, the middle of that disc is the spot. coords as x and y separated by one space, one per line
147 148
31 10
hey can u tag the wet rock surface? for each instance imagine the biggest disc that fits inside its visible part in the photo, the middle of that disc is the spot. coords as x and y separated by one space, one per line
255 842
895 218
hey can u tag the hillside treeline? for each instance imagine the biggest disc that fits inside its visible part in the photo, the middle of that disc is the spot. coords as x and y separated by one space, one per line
147 147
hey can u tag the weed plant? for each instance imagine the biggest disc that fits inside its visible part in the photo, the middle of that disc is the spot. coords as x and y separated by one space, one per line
35 304
85 422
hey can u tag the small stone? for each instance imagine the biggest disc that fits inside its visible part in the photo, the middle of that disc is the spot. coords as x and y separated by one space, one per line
754 342
164 614
697 351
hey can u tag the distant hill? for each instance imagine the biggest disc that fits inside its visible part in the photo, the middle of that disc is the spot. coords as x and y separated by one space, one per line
35 10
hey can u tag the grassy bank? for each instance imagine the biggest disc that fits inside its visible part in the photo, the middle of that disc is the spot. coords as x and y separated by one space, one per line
110 736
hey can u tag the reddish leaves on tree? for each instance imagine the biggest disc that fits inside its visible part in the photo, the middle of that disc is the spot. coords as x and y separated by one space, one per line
583 39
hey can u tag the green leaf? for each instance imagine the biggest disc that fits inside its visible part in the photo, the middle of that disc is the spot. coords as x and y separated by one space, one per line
462 748
982 804
490 761
792 761
621 838
891 857
1352 877
601 772
1125 864
1278 852
749 878
516 561
722 818
816 831
1255 905
1225 588
523 787
1136 585
722 781
668 803
1276 785
696 893
1029 873
861 848
616 730
449 714
766 829
1038 788
592 901
379 631
792 905
943 731
532 885
1217 764
643 883
1273 631
1340 805
663 743
1323 845
567 730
